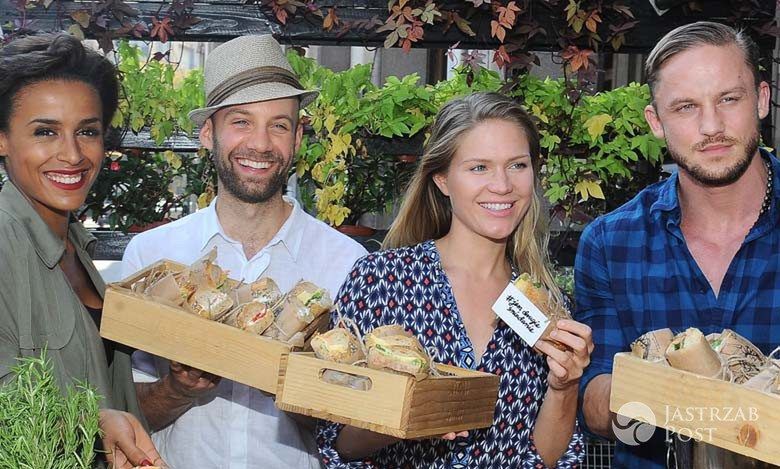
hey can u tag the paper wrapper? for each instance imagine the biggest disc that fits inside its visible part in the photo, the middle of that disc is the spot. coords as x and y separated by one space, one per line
254 317
264 290
547 304
302 305
652 345
768 379
166 288
690 351
338 345
210 303
744 359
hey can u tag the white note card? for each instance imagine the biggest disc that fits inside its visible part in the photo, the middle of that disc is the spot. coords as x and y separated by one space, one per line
520 314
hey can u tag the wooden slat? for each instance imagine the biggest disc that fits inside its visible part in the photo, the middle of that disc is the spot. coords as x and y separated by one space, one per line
667 391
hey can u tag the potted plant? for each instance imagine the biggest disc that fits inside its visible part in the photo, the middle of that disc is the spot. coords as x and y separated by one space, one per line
363 140
138 188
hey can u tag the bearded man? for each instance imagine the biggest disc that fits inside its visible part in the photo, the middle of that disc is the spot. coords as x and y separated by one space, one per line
251 125
700 249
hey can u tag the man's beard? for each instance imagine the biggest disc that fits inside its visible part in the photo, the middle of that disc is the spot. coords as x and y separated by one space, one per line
249 192
705 176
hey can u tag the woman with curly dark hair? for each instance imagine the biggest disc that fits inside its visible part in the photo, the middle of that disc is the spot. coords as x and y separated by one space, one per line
57 99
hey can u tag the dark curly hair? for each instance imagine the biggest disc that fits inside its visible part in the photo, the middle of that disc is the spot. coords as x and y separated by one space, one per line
47 57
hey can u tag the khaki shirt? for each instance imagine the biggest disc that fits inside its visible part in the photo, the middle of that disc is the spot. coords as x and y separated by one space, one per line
38 307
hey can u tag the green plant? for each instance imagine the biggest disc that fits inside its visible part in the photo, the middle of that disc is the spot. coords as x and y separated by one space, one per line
153 97
342 175
134 187
41 427
597 149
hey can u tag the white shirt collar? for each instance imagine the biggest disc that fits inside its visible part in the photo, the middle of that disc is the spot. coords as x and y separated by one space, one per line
290 234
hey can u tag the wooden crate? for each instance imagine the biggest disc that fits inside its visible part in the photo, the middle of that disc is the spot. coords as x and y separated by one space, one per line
743 420
173 333
395 404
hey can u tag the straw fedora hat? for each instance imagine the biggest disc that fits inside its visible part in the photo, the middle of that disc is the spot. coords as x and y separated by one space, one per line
245 70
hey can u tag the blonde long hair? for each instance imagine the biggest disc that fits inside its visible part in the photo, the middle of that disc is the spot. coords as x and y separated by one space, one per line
426 213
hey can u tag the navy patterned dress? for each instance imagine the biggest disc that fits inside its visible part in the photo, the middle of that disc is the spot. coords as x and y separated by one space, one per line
408 286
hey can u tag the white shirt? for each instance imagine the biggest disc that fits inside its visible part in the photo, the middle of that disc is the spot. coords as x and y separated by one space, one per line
240 427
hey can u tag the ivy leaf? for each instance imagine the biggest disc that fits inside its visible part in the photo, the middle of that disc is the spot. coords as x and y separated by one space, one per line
391 39
464 26
205 199
596 125
501 57
624 10
497 31
588 189
81 17
577 58
75 30
571 10
592 22
618 41
161 29
173 159
330 20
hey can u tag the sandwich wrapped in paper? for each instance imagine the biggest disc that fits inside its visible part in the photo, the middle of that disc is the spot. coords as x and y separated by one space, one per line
168 289
390 347
264 290
690 351
254 317
205 273
302 305
543 299
210 303
338 345
768 379
744 359
652 345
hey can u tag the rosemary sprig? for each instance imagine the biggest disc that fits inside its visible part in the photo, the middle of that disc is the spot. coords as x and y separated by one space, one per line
42 428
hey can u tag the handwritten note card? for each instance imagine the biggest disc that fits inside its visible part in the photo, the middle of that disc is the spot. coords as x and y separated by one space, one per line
520 314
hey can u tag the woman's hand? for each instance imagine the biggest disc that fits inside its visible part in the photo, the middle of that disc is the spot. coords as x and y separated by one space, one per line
452 435
125 441
567 366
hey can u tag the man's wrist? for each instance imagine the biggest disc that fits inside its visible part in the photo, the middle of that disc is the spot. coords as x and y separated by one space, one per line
170 387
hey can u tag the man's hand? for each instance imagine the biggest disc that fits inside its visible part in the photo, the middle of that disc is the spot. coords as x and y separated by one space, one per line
125 441
163 401
191 382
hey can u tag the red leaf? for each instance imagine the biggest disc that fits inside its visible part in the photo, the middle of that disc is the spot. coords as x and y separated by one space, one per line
330 20
501 57
161 29
281 14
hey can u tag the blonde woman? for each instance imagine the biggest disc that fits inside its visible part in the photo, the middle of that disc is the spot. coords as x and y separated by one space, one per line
471 222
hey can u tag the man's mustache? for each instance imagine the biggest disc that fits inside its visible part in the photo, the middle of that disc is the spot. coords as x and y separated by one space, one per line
715 141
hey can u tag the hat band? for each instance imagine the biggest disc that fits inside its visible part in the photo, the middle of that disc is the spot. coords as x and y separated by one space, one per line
247 78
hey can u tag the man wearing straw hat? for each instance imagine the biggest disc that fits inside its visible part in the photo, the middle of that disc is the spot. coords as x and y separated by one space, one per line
251 126
700 249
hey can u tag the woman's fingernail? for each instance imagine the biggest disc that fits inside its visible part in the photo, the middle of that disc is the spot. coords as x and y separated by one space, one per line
145 462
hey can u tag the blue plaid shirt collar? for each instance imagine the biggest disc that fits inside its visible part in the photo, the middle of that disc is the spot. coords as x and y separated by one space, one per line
668 202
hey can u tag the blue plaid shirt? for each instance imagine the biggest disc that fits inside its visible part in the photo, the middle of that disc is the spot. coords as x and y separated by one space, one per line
634 274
